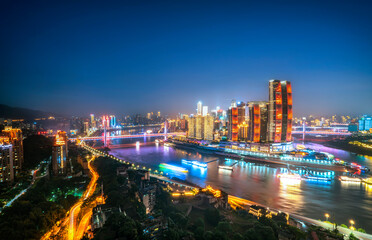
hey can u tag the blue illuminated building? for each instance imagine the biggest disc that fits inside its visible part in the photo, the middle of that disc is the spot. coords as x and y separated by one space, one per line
365 123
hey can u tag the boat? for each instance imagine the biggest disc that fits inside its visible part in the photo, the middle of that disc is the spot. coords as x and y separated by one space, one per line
350 179
291 176
172 167
225 167
195 163
315 178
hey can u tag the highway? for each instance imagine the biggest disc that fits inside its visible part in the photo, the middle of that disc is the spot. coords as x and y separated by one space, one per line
71 219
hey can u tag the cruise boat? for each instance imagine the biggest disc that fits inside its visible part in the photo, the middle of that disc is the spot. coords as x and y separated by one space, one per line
225 167
350 179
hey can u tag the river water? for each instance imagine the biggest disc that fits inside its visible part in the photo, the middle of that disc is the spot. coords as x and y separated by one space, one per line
259 183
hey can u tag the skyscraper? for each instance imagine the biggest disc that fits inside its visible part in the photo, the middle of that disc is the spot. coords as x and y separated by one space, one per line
92 121
59 153
232 126
191 127
242 121
201 128
365 123
112 121
205 111
199 108
258 121
208 128
280 111
6 160
16 140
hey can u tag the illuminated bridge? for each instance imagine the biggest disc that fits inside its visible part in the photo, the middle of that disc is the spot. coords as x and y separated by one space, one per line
322 133
130 136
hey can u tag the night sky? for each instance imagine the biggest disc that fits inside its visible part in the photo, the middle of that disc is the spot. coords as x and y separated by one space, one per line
135 56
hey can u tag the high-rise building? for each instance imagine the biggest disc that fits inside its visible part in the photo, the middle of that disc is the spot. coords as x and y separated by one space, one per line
92 121
105 121
232 126
59 153
258 121
159 115
233 103
191 127
199 108
208 128
112 121
148 115
200 127
86 127
16 140
365 123
242 121
280 111
205 111
6 160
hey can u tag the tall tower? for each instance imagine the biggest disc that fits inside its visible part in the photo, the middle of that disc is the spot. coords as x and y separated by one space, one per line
6 160
233 124
205 111
59 153
280 111
16 139
257 121
200 108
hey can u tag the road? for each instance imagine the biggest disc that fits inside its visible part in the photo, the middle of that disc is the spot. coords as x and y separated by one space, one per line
10 202
243 203
84 223
71 218
77 207
342 230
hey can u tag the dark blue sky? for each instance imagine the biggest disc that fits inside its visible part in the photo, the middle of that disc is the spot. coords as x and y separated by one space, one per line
136 56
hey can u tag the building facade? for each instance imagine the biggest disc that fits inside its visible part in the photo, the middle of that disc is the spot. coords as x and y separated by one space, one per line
201 127
6 160
258 115
16 140
365 123
60 153
280 111
232 126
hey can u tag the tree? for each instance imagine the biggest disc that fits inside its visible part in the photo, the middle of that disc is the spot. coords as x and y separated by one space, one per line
212 216
224 227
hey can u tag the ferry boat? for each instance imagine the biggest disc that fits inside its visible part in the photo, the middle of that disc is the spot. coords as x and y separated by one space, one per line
350 179
195 163
172 167
225 167
291 176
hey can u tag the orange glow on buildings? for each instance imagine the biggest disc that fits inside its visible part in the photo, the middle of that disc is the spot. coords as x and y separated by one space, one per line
16 140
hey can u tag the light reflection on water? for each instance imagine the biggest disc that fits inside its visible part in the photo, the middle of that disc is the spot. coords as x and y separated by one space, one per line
260 184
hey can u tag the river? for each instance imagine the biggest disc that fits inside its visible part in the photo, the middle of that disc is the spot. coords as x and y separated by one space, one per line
259 183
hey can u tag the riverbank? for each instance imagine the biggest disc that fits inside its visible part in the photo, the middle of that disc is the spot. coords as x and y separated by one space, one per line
129 158
346 146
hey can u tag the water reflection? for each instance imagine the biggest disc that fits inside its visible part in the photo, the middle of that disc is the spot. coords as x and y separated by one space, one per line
258 182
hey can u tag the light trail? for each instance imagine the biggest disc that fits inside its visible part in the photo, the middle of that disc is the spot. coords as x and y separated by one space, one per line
74 211
88 193
83 225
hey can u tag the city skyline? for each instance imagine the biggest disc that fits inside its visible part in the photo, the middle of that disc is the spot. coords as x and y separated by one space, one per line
124 58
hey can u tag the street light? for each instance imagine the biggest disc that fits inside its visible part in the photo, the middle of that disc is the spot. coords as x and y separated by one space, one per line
352 224
327 216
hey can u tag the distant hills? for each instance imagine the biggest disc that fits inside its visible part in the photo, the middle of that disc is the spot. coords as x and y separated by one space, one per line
22 113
